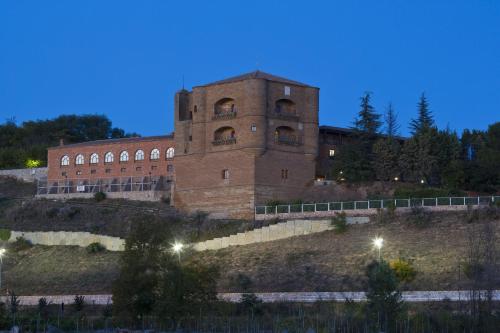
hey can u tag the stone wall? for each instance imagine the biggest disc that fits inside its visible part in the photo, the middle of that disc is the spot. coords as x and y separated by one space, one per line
300 297
82 239
27 175
129 195
274 232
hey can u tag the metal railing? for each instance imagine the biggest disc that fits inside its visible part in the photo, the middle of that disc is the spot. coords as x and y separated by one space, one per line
224 141
291 140
224 115
376 204
94 185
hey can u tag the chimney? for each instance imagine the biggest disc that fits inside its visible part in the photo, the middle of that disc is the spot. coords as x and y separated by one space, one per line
61 142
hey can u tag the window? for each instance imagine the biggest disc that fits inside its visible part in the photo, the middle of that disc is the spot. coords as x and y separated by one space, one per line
284 173
154 167
109 158
253 128
155 154
93 171
65 160
64 174
287 91
124 156
285 107
108 170
123 169
196 108
138 168
94 158
170 168
139 155
170 153
78 173
79 159
190 138
225 174
331 152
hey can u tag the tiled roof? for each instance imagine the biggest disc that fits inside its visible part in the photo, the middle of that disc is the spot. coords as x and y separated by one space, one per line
115 141
257 75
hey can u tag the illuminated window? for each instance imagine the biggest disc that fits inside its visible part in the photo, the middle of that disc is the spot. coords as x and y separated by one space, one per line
79 160
109 158
124 156
170 153
253 128
94 158
155 154
139 155
65 160
78 173
331 152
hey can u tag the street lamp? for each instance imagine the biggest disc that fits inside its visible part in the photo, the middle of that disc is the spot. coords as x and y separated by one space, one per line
177 248
378 242
2 252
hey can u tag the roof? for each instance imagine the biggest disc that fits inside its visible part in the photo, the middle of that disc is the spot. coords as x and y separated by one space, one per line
257 75
343 130
115 141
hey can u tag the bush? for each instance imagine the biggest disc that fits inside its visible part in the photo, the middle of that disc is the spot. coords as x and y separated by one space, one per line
387 214
403 269
99 196
419 217
95 248
165 199
339 222
4 234
425 192
52 212
20 244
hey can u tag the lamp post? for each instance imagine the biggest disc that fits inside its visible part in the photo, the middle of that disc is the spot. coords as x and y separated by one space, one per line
378 242
177 248
2 252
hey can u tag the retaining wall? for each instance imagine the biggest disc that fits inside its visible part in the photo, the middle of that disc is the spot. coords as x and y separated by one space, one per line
83 239
27 175
300 297
129 195
274 232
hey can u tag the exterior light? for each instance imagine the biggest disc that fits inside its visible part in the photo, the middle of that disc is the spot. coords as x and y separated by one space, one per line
341 172
177 248
396 179
342 179
2 253
422 181
378 242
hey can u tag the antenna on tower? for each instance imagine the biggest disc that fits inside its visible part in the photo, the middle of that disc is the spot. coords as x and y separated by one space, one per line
182 81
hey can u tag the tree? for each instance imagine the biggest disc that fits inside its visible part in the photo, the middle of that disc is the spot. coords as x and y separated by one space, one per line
386 150
134 289
391 122
183 289
384 300
424 120
368 121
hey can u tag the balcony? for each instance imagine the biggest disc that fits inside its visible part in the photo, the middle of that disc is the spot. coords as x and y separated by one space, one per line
285 115
224 141
224 115
288 140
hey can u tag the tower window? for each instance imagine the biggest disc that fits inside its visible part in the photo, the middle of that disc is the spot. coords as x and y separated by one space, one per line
331 152
225 174
253 128
287 91
284 173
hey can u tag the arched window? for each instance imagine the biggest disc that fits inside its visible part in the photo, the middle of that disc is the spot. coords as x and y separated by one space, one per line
285 107
124 156
286 135
170 153
109 158
94 158
224 106
224 136
65 160
155 154
139 155
79 159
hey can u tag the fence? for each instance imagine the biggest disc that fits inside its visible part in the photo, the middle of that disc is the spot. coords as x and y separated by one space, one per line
116 184
376 204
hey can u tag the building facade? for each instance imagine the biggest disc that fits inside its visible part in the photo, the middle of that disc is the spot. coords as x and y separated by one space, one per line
238 142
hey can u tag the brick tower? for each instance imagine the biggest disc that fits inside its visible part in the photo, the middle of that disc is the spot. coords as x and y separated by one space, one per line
244 141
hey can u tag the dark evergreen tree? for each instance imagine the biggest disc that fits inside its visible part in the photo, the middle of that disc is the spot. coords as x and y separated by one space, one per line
391 122
368 122
425 120
386 150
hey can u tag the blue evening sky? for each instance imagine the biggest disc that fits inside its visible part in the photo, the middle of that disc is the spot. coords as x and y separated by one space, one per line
126 59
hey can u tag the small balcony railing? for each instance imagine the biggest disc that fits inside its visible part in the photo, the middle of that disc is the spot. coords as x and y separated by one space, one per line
288 140
224 115
224 141
285 115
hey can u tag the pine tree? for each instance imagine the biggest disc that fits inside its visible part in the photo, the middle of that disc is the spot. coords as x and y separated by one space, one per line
368 121
391 121
386 150
425 119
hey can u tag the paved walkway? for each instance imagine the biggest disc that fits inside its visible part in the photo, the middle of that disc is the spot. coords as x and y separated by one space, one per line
302 297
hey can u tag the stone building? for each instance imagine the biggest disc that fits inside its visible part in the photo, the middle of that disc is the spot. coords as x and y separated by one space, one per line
238 142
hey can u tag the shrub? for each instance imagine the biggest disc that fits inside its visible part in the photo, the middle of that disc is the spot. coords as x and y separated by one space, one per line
339 222
95 248
425 192
4 234
99 196
79 303
165 199
52 212
404 270
387 214
419 217
20 244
